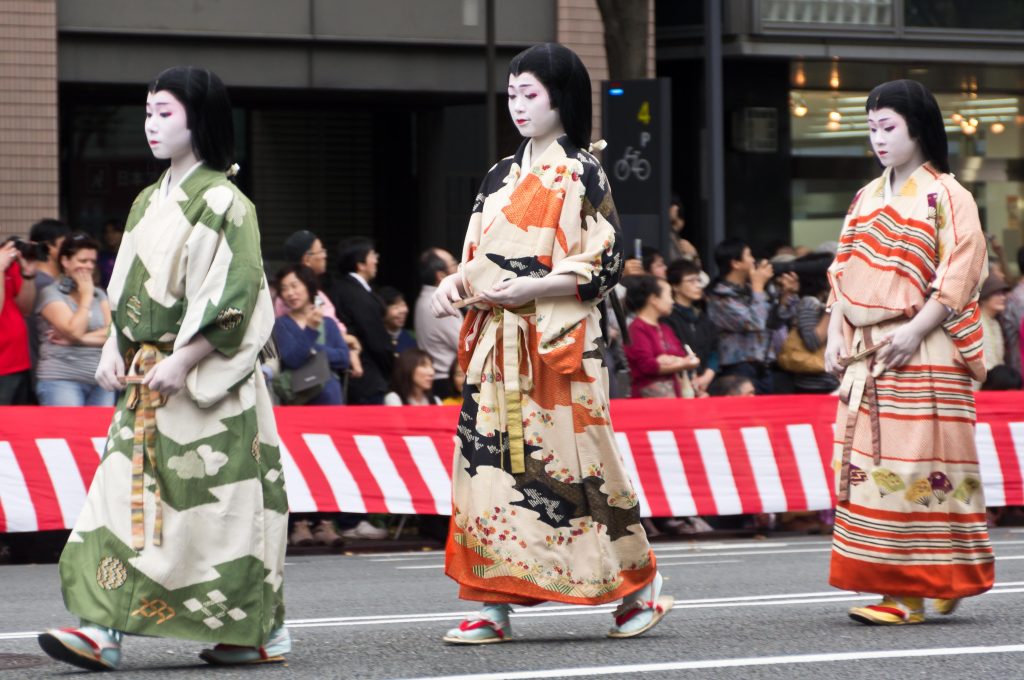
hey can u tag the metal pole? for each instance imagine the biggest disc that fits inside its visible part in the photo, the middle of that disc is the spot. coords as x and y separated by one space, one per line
714 125
492 104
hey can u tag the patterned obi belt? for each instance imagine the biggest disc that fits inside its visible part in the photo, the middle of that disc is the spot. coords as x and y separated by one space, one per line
140 360
857 389
504 336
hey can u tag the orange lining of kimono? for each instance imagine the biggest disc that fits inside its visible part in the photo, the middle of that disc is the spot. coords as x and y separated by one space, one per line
459 563
946 581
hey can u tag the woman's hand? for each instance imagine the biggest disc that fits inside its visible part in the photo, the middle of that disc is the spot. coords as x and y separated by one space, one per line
690 362
514 292
835 351
903 344
110 371
83 280
168 376
451 289
314 317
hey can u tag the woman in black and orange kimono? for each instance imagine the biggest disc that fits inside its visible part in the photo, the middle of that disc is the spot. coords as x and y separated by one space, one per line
543 507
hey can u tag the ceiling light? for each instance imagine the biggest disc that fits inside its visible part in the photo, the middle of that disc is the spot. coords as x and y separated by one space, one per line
956 118
834 116
997 128
833 125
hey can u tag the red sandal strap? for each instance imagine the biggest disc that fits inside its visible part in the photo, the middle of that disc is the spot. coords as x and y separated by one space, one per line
895 611
637 607
468 625
96 648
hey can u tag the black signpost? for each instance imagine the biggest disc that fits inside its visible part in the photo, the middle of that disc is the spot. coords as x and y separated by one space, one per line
636 118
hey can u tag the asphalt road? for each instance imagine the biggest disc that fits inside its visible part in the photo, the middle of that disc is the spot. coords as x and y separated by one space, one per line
745 609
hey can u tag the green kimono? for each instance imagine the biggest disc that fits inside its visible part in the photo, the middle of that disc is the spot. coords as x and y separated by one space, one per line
183 534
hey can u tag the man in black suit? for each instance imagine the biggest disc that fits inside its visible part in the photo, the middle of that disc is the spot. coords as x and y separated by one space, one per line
362 312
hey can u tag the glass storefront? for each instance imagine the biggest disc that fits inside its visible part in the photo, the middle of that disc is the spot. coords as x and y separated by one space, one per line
832 158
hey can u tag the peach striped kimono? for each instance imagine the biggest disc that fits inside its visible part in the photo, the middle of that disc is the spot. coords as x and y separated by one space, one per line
543 507
910 515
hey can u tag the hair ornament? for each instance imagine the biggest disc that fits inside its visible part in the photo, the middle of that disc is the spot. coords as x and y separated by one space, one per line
233 170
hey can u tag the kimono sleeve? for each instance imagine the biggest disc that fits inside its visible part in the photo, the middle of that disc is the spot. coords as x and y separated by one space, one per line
962 252
473 230
126 253
224 271
226 293
597 262
843 251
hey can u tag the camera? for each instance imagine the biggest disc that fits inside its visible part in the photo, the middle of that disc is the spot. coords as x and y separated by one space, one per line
30 250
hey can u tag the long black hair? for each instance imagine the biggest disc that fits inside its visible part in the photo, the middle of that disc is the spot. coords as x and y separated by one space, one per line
565 78
917 105
208 110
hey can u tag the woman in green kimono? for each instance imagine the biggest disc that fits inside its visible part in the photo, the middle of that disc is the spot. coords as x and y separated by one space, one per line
183 531
543 507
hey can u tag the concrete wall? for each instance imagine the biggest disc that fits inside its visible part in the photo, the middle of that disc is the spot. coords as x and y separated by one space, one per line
386 45
28 113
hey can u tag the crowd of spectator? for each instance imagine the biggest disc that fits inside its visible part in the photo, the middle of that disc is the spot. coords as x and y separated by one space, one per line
758 327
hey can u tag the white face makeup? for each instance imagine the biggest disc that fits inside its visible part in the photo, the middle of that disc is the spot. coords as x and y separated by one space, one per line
890 138
530 107
167 126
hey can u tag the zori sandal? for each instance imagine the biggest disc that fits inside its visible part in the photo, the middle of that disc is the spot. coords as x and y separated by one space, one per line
641 611
946 607
90 647
489 626
279 644
891 611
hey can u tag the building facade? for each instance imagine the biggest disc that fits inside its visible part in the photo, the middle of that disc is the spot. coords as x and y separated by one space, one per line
352 118
796 74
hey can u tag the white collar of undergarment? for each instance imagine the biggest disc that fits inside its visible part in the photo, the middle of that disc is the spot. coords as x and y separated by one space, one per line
527 162
165 183
887 189
362 281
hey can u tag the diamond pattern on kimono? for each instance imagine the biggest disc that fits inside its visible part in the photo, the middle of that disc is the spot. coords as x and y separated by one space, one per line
272 475
215 608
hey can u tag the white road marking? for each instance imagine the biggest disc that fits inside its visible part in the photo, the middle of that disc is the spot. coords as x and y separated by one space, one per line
702 562
577 610
665 667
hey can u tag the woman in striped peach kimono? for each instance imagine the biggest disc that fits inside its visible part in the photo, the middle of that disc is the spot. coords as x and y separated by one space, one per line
543 507
906 337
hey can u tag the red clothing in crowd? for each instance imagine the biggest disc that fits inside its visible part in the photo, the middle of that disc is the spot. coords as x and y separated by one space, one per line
14 356
647 342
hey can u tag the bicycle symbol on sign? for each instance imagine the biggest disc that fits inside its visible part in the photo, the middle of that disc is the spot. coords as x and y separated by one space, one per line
632 164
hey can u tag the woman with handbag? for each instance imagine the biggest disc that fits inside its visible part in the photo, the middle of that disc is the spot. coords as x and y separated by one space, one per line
803 352
658 364
303 333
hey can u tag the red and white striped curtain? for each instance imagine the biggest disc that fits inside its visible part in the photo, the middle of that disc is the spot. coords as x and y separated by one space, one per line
719 456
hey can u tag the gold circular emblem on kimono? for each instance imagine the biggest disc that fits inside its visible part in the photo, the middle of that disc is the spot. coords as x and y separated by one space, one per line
229 318
256 448
111 573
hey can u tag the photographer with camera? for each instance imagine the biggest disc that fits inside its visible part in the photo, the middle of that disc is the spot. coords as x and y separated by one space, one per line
17 297
744 312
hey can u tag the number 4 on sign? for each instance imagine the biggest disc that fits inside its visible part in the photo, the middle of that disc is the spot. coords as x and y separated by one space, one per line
644 114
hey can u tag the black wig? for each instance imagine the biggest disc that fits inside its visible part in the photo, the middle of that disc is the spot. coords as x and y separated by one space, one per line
208 110
917 105
566 79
